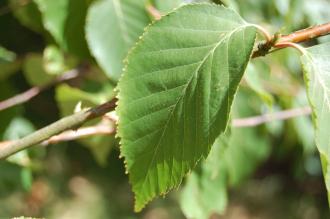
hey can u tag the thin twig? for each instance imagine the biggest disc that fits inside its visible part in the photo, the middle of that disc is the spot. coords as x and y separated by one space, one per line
84 132
109 129
34 91
269 117
66 123
71 135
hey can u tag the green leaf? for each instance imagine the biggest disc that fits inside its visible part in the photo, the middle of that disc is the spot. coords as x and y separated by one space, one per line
205 191
234 157
246 147
166 6
176 93
303 125
65 20
6 55
113 26
68 97
316 65
246 150
18 128
34 70
100 147
8 63
252 78
56 62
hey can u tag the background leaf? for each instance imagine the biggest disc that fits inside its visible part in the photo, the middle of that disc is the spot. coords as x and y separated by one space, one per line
28 14
234 157
254 80
34 70
65 20
205 191
110 41
175 95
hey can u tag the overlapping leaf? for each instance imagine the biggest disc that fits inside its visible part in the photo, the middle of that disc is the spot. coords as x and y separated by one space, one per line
176 92
316 64
113 26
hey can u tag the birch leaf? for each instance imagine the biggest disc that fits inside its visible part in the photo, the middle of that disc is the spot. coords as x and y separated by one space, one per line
176 92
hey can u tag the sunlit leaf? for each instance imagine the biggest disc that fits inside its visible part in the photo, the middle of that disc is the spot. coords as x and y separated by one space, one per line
176 93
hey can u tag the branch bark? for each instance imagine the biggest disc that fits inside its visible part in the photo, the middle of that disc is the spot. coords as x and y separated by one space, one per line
66 123
306 34
278 41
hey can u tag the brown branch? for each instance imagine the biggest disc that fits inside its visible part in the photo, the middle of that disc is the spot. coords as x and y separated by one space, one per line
269 117
306 34
66 123
282 41
34 91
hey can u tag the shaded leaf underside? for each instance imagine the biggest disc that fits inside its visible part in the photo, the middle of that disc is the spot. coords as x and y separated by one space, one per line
316 64
176 93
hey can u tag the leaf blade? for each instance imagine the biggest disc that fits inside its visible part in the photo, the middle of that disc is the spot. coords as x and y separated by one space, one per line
169 117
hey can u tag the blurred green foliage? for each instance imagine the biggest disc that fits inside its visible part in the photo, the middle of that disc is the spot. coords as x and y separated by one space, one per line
270 171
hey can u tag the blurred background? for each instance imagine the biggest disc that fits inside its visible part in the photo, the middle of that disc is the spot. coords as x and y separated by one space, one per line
68 55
